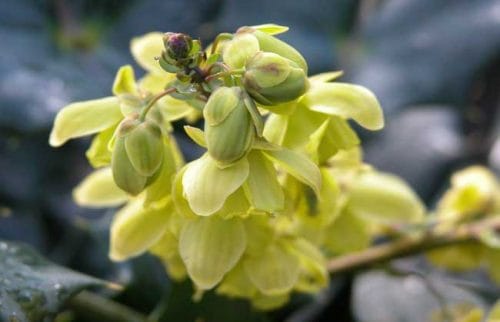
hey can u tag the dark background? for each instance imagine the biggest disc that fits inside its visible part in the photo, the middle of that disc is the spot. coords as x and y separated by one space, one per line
433 64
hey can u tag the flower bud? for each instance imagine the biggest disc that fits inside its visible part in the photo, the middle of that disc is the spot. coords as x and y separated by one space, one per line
177 45
124 173
271 79
229 130
145 148
272 44
137 155
239 49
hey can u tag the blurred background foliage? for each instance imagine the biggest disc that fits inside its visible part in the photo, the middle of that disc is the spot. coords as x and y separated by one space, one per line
434 65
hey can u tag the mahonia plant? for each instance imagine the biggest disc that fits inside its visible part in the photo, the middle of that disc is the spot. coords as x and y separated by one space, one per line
281 187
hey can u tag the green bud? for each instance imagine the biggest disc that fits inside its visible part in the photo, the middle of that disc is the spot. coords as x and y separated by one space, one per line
229 129
239 49
124 174
272 44
145 148
271 79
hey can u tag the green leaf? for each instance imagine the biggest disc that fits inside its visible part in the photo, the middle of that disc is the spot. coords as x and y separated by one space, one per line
271 28
491 258
206 186
84 118
262 186
135 229
210 247
124 82
99 190
145 49
32 289
275 271
384 198
299 166
347 101
458 258
99 154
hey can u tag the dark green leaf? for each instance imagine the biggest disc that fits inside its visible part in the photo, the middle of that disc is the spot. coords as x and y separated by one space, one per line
32 289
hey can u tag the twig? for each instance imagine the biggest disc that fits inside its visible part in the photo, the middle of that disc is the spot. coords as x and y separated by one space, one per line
97 308
410 245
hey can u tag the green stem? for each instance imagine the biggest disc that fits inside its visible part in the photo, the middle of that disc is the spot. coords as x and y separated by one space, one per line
411 245
93 307
146 109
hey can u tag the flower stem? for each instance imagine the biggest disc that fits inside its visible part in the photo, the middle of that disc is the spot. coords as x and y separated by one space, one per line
146 109
410 245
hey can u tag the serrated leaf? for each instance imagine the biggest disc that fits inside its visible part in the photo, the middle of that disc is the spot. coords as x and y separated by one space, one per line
299 166
271 28
347 101
210 247
32 289
135 229
84 118
99 190
262 186
206 186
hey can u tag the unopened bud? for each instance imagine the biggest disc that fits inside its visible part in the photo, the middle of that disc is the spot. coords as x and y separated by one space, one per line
238 50
145 148
177 45
229 130
271 79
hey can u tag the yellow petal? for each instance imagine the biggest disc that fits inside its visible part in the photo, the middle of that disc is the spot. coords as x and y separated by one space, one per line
206 186
135 229
145 48
99 190
84 118
211 247
125 81
347 101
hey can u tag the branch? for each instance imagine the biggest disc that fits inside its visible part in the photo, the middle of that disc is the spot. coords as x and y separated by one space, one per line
97 308
411 245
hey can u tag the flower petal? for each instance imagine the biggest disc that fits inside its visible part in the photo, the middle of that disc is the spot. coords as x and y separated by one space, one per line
299 166
211 247
84 118
145 48
135 229
99 190
347 101
206 186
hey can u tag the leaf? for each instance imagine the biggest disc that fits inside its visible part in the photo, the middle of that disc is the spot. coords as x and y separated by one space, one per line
271 28
99 154
384 198
84 118
124 82
458 258
275 271
210 247
491 260
145 49
98 190
299 166
347 101
206 186
262 186
135 229
32 289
